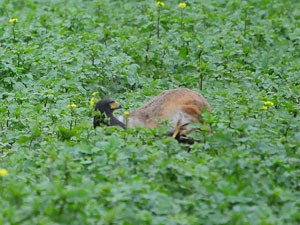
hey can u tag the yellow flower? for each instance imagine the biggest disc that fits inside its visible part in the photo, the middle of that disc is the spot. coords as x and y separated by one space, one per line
200 46
126 113
95 93
72 106
92 101
3 172
268 103
182 5
13 20
159 3
265 107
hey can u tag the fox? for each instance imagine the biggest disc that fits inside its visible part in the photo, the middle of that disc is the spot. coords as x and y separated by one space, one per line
179 107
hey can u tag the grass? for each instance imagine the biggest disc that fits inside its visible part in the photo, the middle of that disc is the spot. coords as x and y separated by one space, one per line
238 54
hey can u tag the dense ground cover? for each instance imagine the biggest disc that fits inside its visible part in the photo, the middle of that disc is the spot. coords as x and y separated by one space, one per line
238 54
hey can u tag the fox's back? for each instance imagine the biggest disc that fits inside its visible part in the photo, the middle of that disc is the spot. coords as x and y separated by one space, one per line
173 105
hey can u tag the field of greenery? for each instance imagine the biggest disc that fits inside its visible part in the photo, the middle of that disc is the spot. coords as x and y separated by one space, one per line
58 57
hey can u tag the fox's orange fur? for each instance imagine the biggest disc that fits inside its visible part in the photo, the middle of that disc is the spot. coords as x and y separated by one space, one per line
177 105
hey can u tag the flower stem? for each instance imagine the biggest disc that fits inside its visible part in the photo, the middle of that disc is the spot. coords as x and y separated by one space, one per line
158 22
14 33
181 21
245 25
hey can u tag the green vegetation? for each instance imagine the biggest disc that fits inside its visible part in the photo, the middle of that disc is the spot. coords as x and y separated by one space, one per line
243 56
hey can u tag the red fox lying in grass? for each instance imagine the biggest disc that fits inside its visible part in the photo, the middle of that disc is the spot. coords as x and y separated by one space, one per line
179 106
